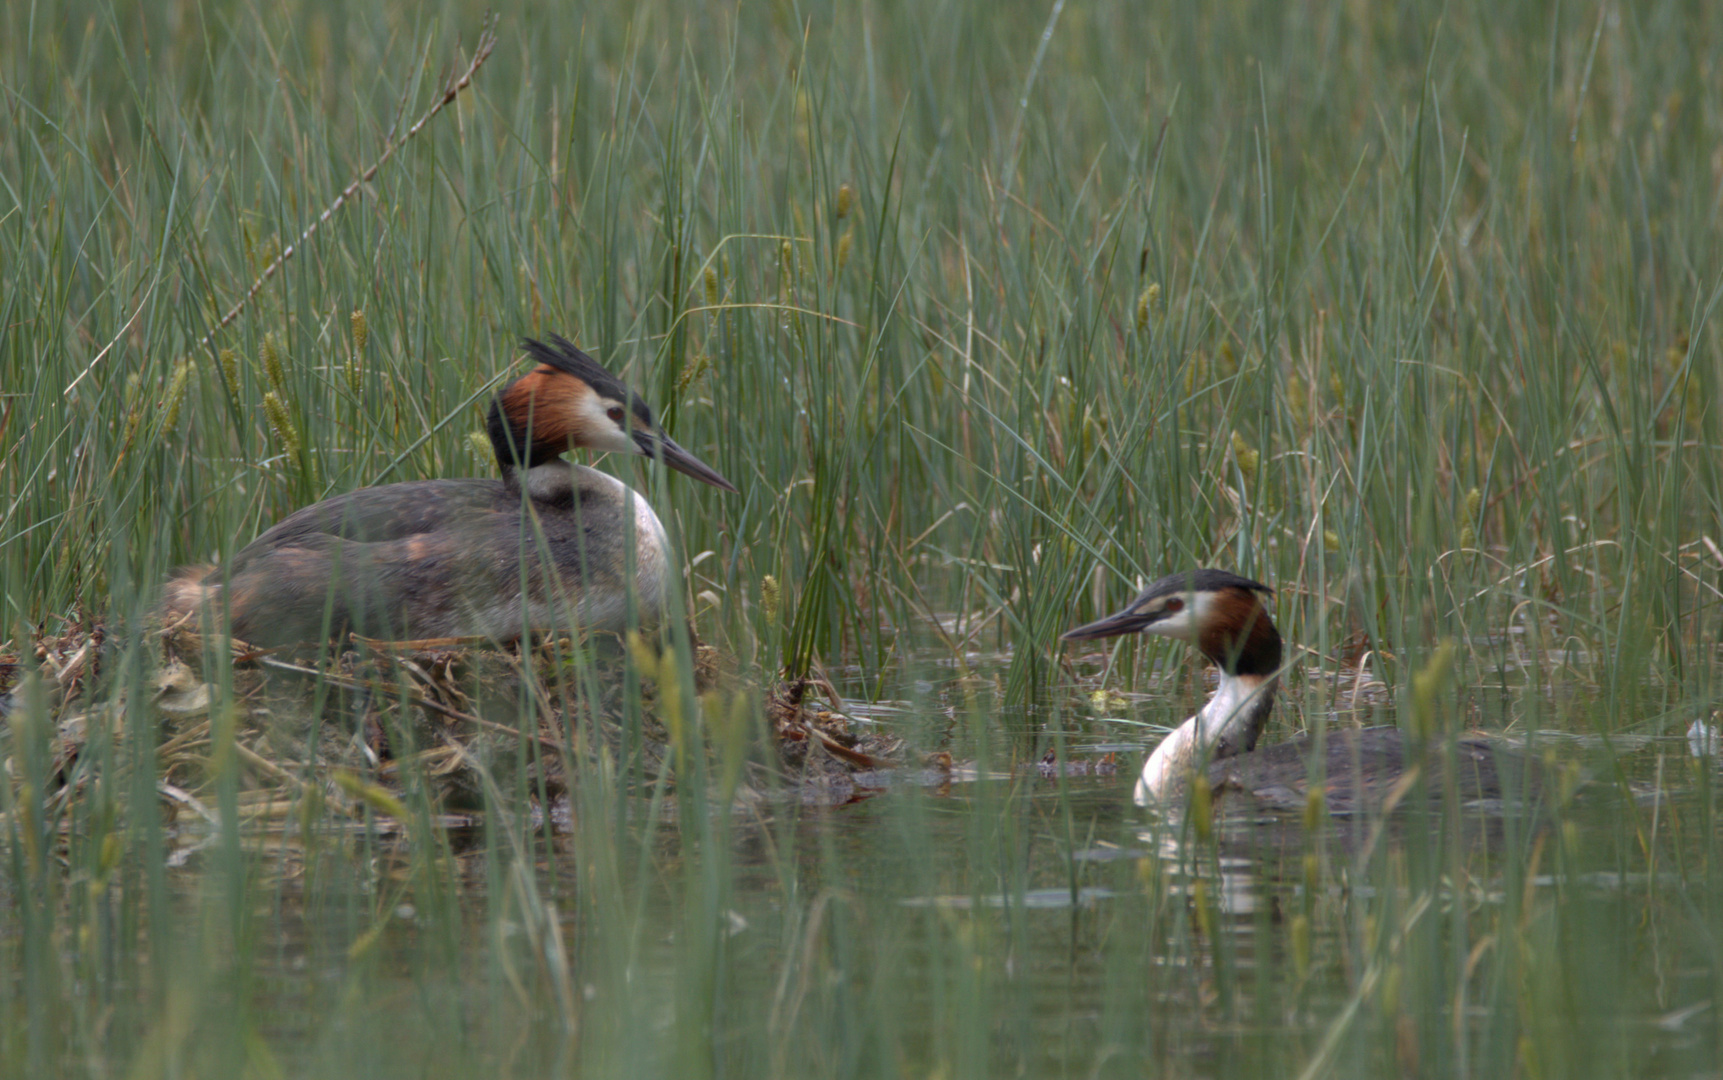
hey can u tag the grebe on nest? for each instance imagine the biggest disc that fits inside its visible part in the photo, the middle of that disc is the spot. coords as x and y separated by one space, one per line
549 545
1225 617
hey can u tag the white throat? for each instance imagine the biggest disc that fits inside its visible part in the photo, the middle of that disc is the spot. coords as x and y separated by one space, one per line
1228 724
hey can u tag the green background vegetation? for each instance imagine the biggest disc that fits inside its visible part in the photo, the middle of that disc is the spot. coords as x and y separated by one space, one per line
1407 309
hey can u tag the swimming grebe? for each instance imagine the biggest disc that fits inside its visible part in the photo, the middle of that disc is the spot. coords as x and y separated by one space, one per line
548 545
1225 617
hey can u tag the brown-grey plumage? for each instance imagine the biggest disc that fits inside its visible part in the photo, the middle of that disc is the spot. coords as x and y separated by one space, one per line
550 545
1226 617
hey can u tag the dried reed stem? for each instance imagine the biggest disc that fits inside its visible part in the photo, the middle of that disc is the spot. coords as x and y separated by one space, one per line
451 90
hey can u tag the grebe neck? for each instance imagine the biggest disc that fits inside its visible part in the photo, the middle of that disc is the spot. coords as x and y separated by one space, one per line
1228 724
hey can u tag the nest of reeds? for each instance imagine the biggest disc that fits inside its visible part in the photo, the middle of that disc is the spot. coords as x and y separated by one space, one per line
471 722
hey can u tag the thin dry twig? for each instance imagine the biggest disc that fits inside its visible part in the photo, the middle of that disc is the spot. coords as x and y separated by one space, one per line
451 90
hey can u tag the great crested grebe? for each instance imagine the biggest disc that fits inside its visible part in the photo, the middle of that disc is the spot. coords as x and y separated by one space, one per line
1225 617
548 545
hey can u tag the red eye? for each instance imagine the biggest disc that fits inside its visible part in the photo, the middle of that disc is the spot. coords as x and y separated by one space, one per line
615 415
1175 604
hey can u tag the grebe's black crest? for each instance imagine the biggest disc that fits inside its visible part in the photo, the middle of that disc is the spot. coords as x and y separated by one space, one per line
1206 579
568 399
567 357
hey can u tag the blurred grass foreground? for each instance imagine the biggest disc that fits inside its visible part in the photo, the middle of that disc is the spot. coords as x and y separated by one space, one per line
992 311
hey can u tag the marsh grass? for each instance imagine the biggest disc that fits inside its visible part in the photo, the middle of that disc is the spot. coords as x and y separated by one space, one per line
1408 310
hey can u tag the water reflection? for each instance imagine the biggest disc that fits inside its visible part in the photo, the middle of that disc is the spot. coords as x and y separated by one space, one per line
995 916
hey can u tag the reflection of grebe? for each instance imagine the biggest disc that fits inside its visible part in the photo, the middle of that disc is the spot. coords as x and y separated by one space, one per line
1225 617
549 544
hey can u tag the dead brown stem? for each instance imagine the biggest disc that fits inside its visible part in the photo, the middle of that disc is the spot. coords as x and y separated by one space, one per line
451 90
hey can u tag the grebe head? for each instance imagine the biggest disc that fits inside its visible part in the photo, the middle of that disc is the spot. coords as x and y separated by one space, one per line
1224 615
570 400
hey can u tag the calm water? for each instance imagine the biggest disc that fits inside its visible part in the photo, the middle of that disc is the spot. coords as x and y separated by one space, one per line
1012 924
992 919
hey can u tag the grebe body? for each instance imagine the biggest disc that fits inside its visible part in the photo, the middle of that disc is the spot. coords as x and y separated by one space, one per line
550 545
1226 618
